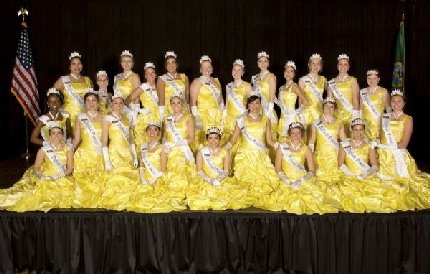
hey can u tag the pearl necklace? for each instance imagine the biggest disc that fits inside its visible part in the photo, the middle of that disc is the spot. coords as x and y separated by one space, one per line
179 117
152 146
396 116
77 78
56 147
93 116
52 116
125 76
171 76
295 148
206 80
314 79
328 120
118 117
373 90
342 78
288 84
214 151
254 117
357 144
262 74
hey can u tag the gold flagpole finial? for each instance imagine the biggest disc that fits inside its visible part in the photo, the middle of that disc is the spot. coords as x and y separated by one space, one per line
23 12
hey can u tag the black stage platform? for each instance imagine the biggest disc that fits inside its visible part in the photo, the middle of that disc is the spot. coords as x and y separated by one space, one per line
249 241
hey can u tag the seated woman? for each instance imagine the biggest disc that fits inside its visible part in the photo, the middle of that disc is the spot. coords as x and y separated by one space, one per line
252 166
53 186
396 164
214 189
298 191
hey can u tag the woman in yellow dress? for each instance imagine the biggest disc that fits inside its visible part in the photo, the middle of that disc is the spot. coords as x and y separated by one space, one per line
170 83
288 96
53 186
104 96
345 90
237 93
89 169
298 190
313 85
124 83
54 101
73 86
179 134
207 103
374 100
252 165
264 83
396 165
120 158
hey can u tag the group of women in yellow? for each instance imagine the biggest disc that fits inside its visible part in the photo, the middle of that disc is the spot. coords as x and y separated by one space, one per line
167 145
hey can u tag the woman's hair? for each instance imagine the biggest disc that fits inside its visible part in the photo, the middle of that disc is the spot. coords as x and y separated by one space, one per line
173 57
296 125
251 99
59 95
60 128
93 94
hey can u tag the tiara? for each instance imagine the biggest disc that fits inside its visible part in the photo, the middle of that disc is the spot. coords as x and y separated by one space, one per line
178 94
126 53
357 121
396 92
153 123
52 91
149 65
74 55
372 72
290 64
90 90
213 130
55 124
262 54
329 100
170 54
254 93
239 62
315 56
205 58
295 125
101 73
343 56
116 96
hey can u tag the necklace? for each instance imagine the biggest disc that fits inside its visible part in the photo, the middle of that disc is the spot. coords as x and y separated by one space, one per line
171 76
152 146
313 78
77 78
205 79
93 116
254 117
179 117
126 75
117 116
238 83
328 120
262 74
373 90
53 117
214 151
295 148
396 116
288 84
342 78
357 144
56 147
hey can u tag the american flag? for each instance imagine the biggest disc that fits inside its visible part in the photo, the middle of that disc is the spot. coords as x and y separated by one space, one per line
24 82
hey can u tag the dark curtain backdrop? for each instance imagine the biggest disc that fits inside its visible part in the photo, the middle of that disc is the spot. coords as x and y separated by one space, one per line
224 29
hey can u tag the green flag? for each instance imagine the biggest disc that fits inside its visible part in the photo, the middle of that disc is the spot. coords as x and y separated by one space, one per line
398 81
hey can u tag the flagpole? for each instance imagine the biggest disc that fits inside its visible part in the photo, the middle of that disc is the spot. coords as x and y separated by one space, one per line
404 53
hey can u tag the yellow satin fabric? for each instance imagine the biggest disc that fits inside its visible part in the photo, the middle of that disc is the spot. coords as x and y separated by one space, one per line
373 126
125 86
168 92
288 99
232 111
345 89
70 105
314 110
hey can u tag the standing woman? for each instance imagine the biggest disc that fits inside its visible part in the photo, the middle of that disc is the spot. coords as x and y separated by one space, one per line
374 99
252 166
288 95
54 101
207 103
171 82
104 96
89 169
124 83
237 93
73 86
345 90
313 85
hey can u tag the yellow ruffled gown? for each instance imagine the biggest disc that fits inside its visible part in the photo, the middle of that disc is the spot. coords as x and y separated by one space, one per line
88 169
416 181
308 198
46 194
168 91
313 109
345 89
373 124
287 99
209 111
124 87
179 171
70 104
252 166
370 194
122 180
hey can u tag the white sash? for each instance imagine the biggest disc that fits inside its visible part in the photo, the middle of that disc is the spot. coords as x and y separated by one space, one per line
346 105
71 91
148 90
250 138
286 152
230 92
289 114
116 90
178 137
215 93
401 167
155 173
354 156
124 130
207 158
172 83
49 151
314 89
322 128
368 103
91 131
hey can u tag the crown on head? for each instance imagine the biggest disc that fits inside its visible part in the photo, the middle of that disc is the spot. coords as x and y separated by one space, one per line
357 121
238 62
213 130
315 56
254 93
262 54
55 124
291 64
205 58
343 56
117 96
90 90
296 125
126 53
372 72
74 54
178 94
101 73
153 123
170 54
149 65
396 92
329 100
52 91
